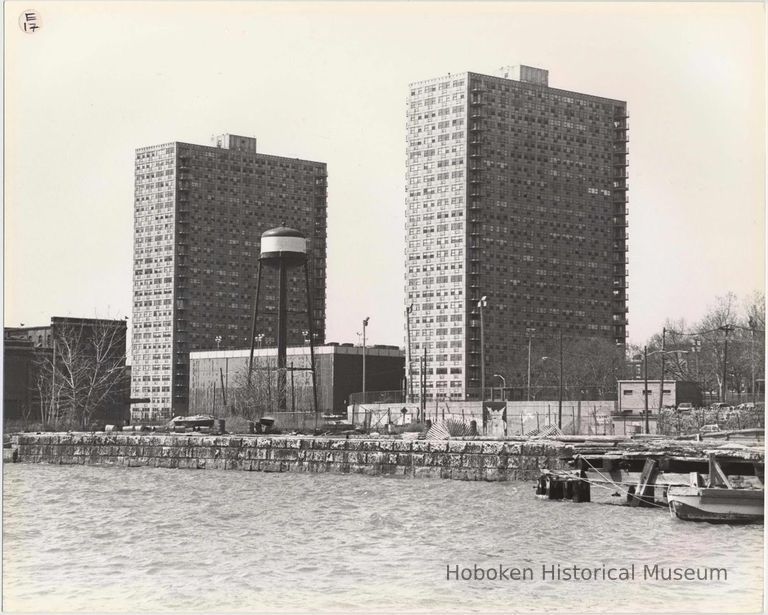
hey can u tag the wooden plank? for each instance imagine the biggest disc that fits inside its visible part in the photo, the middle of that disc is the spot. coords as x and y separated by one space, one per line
644 488
716 474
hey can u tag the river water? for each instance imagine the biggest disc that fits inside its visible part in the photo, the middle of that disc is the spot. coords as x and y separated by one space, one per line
144 539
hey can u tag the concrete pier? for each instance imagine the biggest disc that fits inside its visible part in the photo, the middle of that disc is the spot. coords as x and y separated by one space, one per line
486 460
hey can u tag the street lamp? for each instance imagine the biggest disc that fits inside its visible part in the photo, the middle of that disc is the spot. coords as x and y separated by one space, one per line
752 327
503 384
726 329
260 338
365 324
408 311
217 339
543 361
482 304
529 332
560 387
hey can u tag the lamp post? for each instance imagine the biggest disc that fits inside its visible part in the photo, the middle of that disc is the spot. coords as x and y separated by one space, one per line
481 304
529 332
217 339
503 384
752 327
408 311
663 355
560 387
365 324
543 361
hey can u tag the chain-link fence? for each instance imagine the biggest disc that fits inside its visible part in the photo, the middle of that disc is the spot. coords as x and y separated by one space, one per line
496 422
678 423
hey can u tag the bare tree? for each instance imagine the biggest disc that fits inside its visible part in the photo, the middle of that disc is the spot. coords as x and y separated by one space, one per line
47 388
255 396
594 366
260 396
84 372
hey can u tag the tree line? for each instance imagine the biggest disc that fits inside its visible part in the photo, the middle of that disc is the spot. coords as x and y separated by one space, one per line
724 351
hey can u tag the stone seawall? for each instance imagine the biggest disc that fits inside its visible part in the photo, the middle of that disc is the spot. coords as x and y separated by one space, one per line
454 459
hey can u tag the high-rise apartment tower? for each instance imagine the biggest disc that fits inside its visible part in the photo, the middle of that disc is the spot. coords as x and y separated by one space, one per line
199 215
515 192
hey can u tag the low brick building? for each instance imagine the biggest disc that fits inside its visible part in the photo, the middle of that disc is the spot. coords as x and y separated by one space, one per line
218 377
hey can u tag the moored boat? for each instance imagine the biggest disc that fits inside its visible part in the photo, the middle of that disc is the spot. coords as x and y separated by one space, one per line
718 501
716 504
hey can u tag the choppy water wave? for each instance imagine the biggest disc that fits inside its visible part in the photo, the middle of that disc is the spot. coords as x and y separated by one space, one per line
140 539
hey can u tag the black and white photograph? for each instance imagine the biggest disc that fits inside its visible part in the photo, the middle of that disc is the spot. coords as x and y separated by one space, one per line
383 307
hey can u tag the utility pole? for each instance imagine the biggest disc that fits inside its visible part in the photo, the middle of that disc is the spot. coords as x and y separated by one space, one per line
408 311
481 304
293 392
53 377
663 356
645 388
365 324
727 329
752 355
560 388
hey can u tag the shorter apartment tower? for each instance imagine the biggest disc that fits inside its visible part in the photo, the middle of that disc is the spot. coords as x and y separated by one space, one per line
199 215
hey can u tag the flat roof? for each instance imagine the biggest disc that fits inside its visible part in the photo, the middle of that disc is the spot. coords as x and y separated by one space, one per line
370 351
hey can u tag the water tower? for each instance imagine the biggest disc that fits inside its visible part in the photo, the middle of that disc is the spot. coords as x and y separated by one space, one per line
281 249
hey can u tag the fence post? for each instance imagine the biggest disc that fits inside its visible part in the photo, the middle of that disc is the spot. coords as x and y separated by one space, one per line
522 428
537 422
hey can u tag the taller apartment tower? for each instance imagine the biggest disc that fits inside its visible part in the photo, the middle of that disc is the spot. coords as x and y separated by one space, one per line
199 215
515 192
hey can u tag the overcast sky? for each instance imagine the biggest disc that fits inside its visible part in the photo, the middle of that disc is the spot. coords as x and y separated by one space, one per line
328 82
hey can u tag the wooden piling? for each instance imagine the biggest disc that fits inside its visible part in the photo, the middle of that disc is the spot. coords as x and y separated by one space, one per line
554 488
644 492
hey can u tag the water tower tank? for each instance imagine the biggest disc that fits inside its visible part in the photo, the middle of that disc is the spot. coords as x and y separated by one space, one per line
283 243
